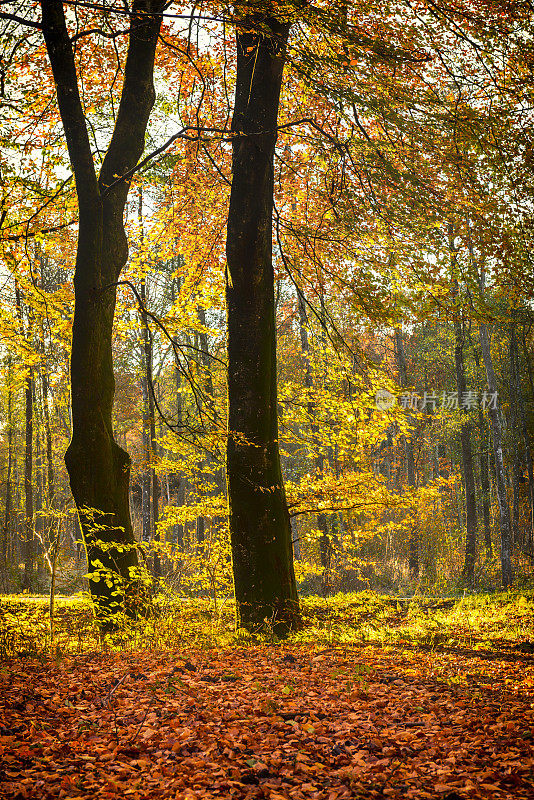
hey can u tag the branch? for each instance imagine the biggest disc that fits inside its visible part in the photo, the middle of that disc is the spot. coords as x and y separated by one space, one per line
14 18
104 34
137 99
18 237
176 349
60 53
182 134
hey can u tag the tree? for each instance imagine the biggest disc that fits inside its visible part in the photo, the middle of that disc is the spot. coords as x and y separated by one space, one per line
413 563
468 573
260 527
497 439
98 467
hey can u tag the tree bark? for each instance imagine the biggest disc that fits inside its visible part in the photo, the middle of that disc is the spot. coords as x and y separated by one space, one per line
496 431
413 554
260 528
8 504
519 403
29 532
515 435
468 572
325 546
179 480
98 468
485 483
151 488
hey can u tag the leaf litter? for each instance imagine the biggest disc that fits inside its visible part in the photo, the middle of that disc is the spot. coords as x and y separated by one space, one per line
281 723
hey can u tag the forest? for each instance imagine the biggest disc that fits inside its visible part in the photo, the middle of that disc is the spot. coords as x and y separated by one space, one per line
266 399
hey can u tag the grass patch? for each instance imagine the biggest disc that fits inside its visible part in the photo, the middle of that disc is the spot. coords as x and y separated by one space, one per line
478 622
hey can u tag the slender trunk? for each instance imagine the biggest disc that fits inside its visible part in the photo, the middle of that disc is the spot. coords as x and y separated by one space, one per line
200 527
528 362
146 527
179 481
485 483
413 557
150 511
45 392
29 534
260 528
149 499
213 473
40 530
496 431
484 466
98 468
515 435
155 484
322 522
8 504
50 478
527 444
468 572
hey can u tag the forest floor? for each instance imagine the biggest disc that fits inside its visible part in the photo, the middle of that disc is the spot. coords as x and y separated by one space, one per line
439 703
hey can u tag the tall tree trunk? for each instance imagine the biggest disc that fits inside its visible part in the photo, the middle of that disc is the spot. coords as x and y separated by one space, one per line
413 555
179 480
527 445
29 531
98 468
50 479
496 431
528 361
483 460
8 503
468 572
146 511
147 478
485 483
515 435
50 522
151 490
214 477
260 528
325 549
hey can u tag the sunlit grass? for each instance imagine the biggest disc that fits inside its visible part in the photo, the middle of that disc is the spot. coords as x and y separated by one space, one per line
498 621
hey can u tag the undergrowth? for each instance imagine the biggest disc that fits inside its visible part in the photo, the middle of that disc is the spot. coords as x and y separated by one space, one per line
477 622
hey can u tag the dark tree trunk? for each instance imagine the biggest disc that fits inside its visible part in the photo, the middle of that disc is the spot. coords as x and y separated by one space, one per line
146 527
500 480
259 520
45 389
515 435
521 418
413 555
485 489
98 468
468 572
485 483
50 480
29 531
